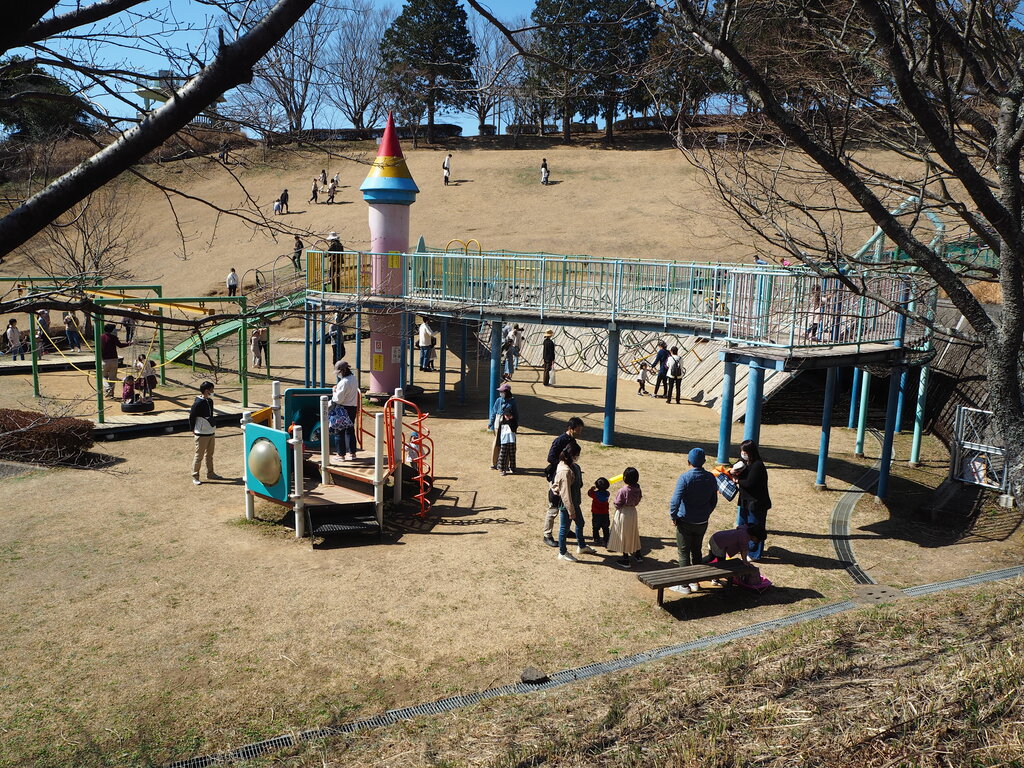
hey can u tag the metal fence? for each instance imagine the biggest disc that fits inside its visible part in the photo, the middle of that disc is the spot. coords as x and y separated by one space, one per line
766 306
977 458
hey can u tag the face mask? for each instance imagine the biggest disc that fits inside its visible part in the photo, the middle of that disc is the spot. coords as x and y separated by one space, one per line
744 455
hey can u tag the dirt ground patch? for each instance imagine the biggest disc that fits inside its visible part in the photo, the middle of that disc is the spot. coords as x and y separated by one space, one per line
150 621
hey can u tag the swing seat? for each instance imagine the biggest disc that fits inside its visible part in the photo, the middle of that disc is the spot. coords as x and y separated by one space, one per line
142 406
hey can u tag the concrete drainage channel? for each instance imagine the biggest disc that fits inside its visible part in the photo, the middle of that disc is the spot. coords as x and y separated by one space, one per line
866 593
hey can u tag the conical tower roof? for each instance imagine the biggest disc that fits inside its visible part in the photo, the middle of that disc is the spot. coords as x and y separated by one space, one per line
389 180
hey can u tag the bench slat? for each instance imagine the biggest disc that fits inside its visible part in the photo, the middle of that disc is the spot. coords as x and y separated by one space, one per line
672 577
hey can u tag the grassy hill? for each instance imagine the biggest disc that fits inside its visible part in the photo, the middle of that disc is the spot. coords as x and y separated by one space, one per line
638 200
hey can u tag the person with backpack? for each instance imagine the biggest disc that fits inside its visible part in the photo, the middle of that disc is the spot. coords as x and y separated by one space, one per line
446 166
675 375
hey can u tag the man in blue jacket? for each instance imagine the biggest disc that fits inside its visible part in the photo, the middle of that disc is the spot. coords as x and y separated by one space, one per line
694 499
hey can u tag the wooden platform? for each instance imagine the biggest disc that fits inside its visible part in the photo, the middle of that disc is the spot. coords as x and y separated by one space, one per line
361 469
52 361
333 495
118 424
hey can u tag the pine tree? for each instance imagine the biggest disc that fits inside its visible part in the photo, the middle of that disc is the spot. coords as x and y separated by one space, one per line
428 51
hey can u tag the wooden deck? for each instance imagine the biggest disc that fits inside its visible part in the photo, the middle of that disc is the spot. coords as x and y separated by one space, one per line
119 424
51 362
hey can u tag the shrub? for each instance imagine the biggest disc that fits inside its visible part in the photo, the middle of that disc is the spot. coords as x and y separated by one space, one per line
35 437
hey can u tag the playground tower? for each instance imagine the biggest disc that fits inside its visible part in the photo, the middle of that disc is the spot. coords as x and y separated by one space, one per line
389 190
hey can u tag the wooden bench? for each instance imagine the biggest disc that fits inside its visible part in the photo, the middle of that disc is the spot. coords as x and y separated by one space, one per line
693 574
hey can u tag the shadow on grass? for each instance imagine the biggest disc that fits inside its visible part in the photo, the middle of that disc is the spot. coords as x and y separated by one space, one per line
717 601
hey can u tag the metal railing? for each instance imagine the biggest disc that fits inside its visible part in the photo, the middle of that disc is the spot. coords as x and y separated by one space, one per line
977 457
766 306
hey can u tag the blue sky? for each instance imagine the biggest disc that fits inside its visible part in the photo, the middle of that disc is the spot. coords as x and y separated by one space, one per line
200 16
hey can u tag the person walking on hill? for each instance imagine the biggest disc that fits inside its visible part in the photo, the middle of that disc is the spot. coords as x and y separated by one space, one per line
690 509
331 191
544 173
314 192
284 201
297 247
675 375
323 177
446 166
200 421
232 282
548 356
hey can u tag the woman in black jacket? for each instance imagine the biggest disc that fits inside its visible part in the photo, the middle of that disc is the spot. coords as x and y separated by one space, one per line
752 479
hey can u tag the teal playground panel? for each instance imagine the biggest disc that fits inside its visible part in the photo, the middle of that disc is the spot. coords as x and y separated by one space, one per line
279 440
302 406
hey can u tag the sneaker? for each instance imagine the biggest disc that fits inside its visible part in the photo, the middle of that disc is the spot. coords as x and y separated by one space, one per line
624 563
637 558
695 587
214 476
550 541
350 456
494 466
586 551
505 472
196 481
719 582
682 590
567 557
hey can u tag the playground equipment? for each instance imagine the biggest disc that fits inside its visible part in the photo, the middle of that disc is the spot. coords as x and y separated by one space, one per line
290 440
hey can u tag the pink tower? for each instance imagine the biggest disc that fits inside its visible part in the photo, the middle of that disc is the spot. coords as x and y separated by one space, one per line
389 190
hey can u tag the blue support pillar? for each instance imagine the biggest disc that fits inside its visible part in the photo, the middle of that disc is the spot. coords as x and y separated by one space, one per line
611 383
410 334
826 427
854 395
307 347
443 362
922 399
322 336
890 430
901 401
755 394
725 422
862 415
495 361
463 363
359 342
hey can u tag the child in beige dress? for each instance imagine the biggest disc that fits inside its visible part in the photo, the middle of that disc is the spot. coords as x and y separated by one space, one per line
625 534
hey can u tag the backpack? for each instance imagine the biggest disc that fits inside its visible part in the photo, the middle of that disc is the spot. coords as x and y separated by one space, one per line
676 371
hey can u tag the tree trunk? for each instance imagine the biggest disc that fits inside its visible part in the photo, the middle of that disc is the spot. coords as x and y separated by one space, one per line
609 118
430 111
566 122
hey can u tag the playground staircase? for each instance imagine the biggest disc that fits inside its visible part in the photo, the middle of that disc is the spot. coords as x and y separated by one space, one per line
345 504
